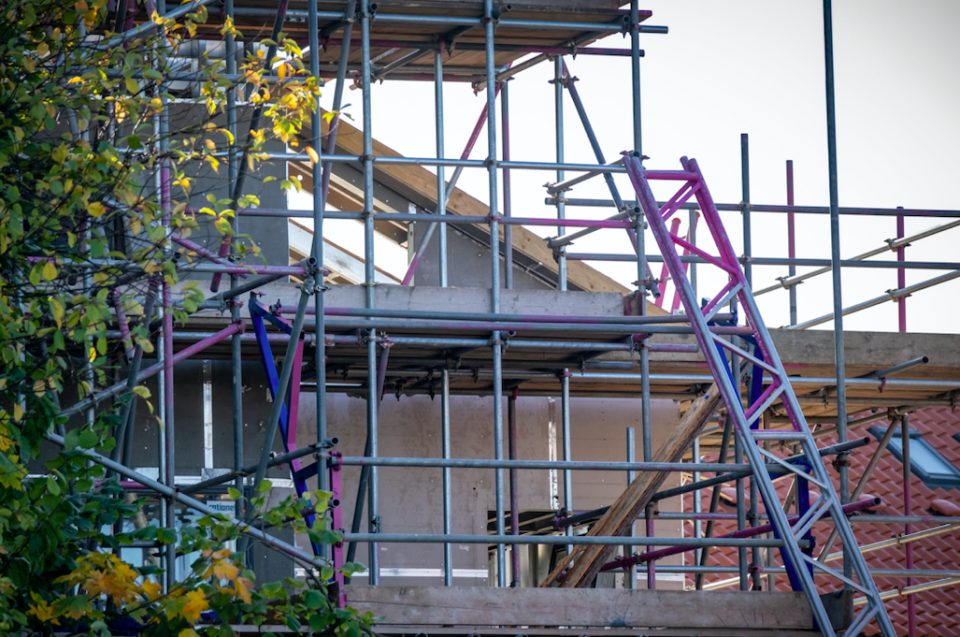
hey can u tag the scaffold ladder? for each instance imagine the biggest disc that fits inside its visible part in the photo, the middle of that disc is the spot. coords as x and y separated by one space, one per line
746 419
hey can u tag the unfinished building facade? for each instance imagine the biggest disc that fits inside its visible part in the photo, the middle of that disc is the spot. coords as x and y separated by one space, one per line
510 433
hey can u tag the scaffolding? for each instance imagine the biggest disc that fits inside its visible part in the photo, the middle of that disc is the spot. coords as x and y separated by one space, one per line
411 38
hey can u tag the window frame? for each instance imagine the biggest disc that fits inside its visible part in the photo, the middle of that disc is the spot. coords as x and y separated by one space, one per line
931 481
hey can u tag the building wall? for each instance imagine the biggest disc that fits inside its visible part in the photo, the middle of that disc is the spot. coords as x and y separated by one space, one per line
411 498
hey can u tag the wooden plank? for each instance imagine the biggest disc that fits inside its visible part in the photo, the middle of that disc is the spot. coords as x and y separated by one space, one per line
620 517
431 631
616 608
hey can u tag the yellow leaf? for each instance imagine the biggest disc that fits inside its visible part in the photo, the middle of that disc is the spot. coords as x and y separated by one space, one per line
188 632
75 80
17 411
282 72
97 209
152 589
49 271
196 604
314 157
43 49
210 144
132 86
3 383
92 355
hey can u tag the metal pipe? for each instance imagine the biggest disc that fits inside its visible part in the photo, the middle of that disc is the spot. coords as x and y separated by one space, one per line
892 244
567 449
514 486
791 244
441 182
373 504
892 295
847 263
447 475
133 378
631 475
488 23
243 472
561 174
714 500
777 209
901 283
283 383
858 490
754 531
507 203
553 540
745 199
320 182
910 591
489 316
907 510
174 495
235 341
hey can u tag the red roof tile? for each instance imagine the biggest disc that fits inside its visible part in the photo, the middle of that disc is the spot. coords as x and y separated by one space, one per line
935 616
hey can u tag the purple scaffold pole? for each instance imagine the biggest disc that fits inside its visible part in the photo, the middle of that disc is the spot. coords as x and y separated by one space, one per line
664 273
652 556
691 239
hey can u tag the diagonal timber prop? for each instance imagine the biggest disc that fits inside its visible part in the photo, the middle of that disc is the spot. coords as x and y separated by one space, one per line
620 517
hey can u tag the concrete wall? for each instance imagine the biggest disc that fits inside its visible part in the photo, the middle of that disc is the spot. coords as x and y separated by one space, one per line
411 498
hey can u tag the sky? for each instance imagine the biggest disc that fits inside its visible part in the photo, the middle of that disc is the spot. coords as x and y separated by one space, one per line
724 69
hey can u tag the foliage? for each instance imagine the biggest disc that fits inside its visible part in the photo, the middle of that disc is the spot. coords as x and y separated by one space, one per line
92 186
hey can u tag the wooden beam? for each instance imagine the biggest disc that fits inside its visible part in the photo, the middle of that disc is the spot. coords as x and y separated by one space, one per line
420 185
614 608
619 518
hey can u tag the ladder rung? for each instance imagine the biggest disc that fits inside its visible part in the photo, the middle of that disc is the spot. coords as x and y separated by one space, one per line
774 434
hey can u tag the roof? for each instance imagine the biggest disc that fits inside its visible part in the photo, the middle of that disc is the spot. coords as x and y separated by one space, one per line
937 426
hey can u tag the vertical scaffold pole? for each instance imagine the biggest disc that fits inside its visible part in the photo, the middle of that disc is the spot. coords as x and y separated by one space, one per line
639 228
319 201
791 243
235 345
631 573
567 451
561 175
169 448
441 176
488 22
507 203
835 262
447 498
373 392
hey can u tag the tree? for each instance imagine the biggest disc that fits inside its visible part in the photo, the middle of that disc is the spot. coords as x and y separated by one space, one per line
92 188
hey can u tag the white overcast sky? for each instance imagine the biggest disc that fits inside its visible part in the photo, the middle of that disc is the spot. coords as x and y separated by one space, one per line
753 67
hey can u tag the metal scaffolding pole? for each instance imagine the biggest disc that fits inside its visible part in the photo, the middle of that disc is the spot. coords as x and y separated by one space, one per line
561 174
373 391
319 201
496 346
447 475
441 180
835 257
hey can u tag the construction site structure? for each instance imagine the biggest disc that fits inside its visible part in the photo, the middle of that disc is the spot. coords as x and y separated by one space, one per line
499 492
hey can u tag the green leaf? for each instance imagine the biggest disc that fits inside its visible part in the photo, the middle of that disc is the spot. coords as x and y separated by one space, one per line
72 439
132 86
234 494
89 438
313 599
272 588
52 485
152 74
82 486
265 486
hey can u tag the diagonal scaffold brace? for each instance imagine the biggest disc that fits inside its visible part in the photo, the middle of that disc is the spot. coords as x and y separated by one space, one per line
800 566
